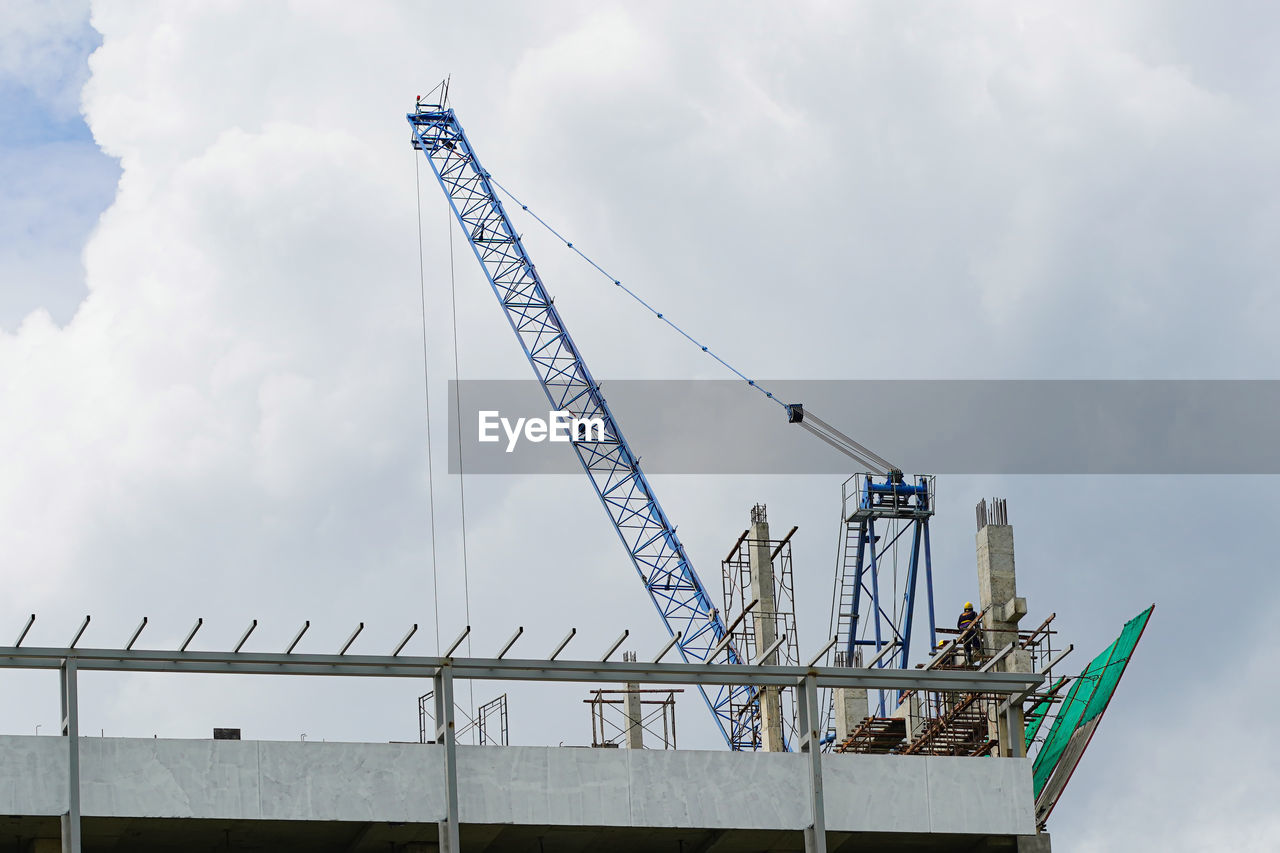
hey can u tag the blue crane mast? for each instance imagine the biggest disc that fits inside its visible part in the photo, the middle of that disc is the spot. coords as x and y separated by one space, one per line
614 470
878 509
878 512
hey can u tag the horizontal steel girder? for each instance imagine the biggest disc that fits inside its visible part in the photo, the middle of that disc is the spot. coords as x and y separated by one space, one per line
494 669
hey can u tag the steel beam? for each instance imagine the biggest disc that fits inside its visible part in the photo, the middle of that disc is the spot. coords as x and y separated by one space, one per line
191 636
815 834
493 669
567 637
71 731
446 734
404 642
136 634
25 629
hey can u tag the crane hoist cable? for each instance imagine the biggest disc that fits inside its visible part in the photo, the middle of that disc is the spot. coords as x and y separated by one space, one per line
796 412
426 396
462 492
462 479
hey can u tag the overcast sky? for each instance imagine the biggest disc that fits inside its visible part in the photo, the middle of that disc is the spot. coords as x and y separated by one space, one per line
211 359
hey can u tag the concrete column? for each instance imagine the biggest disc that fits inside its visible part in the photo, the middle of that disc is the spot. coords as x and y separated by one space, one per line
998 595
1038 843
634 711
997 586
850 710
850 705
765 625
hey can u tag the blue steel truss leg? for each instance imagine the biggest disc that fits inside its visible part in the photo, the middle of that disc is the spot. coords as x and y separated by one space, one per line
909 599
646 533
909 596
875 601
857 593
874 568
928 579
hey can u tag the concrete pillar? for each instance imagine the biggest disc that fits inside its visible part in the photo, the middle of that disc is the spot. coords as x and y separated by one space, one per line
1038 843
765 625
850 710
997 586
634 711
635 731
850 705
998 595
1013 737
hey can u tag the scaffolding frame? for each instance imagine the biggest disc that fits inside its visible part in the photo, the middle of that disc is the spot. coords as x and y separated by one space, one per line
607 733
958 723
481 723
742 615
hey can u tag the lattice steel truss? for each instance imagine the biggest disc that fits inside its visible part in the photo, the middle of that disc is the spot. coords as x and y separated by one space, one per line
614 470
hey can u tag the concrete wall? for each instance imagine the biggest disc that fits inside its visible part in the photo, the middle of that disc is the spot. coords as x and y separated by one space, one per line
123 777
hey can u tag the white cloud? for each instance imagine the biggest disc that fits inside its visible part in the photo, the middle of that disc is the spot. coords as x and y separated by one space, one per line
53 181
232 424
40 48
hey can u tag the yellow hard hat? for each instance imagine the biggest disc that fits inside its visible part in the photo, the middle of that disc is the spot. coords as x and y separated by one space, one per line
968 605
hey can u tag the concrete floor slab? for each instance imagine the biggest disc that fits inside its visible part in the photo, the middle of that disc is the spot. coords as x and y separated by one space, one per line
146 794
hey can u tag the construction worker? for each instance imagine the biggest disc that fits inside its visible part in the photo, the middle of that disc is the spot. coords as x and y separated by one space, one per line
969 636
950 659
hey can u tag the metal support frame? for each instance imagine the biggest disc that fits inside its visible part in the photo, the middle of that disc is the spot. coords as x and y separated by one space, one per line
815 835
605 732
649 537
446 730
71 731
443 670
512 669
496 707
736 580
1014 748
904 508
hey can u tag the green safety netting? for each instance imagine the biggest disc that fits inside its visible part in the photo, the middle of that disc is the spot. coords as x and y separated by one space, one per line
1035 717
1088 697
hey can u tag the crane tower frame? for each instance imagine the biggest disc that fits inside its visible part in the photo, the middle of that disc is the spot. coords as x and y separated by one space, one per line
614 470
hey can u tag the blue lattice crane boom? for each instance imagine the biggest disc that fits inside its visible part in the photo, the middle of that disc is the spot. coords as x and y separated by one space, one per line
613 469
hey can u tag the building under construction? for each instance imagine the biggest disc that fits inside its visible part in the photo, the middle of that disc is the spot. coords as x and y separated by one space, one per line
900 734
822 771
